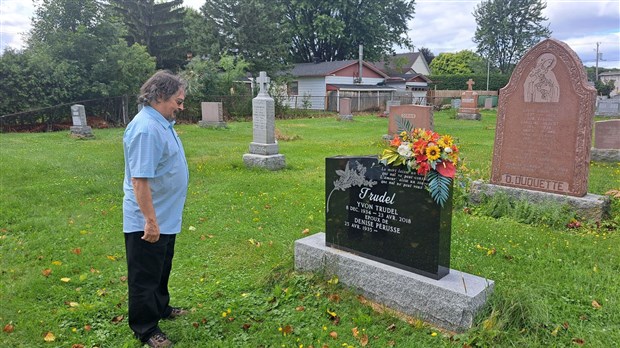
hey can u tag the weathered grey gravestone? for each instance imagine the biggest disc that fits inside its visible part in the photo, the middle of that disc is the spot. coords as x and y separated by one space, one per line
469 104
608 107
264 147
606 141
212 115
388 106
80 129
344 110
544 131
397 243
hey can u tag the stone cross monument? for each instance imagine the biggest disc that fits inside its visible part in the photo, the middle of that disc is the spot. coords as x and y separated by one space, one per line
469 104
264 147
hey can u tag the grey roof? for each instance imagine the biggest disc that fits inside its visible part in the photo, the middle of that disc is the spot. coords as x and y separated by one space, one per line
350 87
388 66
320 69
327 68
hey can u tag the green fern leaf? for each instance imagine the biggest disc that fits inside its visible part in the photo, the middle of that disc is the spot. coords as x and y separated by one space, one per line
403 125
439 187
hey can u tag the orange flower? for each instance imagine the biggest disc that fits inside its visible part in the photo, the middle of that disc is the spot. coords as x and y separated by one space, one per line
419 145
396 141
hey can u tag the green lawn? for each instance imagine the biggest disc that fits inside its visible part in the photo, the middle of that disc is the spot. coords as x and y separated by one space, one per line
62 258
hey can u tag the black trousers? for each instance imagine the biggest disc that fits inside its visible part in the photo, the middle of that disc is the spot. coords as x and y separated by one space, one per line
148 271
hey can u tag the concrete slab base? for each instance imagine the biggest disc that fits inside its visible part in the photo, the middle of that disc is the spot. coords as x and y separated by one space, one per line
450 303
464 116
271 162
591 206
212 124
604 155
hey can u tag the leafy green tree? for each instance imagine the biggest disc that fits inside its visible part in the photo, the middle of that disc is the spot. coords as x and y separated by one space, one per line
330 30
211 80
603 88
507 29
75 52
462 62
156 25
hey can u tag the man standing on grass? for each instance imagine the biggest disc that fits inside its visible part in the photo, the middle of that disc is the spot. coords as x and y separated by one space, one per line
155 186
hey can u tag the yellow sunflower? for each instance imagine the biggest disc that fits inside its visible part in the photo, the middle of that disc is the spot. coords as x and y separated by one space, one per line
445 141
433 152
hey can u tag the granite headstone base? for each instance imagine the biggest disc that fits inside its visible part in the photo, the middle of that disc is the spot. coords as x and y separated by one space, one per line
212 124
591 206
81 132
450 303
468 116
604 155
271 162
347 117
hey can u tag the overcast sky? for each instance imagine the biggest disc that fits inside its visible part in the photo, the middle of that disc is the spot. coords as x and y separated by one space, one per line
440 25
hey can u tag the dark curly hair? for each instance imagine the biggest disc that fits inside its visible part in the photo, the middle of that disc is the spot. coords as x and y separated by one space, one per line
160 87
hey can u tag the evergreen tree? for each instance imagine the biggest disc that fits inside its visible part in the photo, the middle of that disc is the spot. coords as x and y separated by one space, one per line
156 25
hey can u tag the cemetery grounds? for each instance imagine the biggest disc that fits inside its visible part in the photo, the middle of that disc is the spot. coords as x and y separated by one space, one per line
62 257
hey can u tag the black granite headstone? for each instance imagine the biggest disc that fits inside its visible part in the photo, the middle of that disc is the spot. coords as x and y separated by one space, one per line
386 214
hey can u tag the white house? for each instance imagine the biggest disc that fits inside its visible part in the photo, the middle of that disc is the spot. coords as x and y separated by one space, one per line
611 76
320 85
404 63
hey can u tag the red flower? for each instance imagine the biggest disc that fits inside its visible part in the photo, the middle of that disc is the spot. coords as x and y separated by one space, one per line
423 168
446 169
419 146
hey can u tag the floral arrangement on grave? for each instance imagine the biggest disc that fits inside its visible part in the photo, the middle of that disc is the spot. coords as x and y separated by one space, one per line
427 153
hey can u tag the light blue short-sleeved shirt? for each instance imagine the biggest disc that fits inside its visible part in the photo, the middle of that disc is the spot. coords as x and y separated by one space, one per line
154 151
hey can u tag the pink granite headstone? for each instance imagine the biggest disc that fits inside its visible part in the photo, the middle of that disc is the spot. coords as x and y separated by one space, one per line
607 134
544 123
418 115
345 106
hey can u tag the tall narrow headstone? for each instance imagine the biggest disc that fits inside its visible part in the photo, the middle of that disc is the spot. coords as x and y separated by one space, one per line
264 147
469 104
344 110
388 106
80 129
544 130
212 115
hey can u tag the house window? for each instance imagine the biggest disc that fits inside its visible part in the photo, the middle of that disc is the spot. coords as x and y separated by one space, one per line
292 88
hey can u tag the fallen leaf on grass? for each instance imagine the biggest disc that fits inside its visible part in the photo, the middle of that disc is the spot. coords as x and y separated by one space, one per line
355 331
65 279
117 319
300 308
613 193
596 304
8 328
334 298
195 325
579 341
333 335
49 337
287 330
77 251
391 327
111 258
364 340
46 272
56 263
246 327
77 345
305 231
87 327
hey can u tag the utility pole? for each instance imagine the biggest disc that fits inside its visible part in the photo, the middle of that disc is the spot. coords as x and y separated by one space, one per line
597 58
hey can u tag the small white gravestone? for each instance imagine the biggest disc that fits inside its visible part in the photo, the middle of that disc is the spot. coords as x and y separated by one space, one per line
264 147
80 129
212 115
